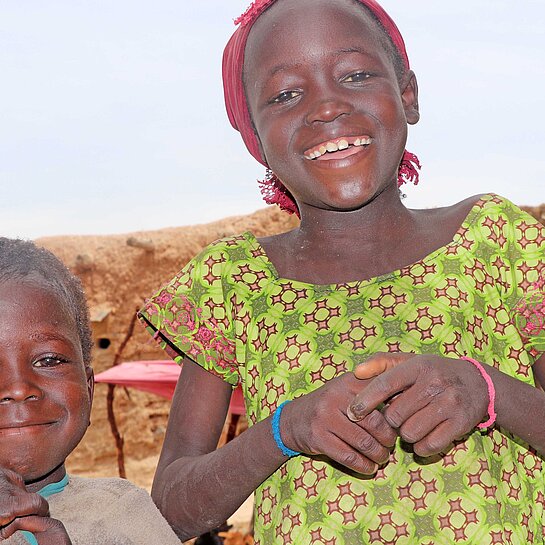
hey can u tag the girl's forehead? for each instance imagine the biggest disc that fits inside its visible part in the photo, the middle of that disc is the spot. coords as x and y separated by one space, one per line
291 24
36 299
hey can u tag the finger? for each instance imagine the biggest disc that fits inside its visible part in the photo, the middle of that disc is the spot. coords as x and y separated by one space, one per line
381 389
21 504
47 531
380 363
438 440
341 452
403 406
364 443
376 425
422 423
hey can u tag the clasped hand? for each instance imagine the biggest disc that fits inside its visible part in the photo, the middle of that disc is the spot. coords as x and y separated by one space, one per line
429 401
23 510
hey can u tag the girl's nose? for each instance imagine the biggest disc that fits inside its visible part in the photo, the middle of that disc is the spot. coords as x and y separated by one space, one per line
327 110
19 389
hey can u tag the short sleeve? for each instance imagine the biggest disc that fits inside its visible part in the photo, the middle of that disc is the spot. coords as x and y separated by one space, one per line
521 242
191 315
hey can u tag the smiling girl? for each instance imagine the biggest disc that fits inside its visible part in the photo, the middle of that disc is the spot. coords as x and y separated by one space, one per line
439 448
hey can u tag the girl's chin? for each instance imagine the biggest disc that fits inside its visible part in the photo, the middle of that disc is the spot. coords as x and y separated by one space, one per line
346 201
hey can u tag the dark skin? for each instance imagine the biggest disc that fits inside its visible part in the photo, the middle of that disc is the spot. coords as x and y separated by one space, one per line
45 402
316 71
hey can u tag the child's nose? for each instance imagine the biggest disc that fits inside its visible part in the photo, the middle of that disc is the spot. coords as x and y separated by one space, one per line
18 389
327 110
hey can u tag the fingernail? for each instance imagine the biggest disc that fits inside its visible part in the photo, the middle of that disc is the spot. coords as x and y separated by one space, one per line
354 413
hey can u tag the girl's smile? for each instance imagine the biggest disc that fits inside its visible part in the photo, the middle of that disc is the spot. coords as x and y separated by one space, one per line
326 102
338 148
24 428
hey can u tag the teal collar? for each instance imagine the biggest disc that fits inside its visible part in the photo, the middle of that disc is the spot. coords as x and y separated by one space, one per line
46 492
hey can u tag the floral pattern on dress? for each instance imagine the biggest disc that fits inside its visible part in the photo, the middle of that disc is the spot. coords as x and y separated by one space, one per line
283 338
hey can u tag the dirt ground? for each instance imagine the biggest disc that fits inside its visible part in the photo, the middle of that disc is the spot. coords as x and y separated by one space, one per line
118 273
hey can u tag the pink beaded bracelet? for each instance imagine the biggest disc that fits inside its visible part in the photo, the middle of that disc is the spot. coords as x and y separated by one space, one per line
491 394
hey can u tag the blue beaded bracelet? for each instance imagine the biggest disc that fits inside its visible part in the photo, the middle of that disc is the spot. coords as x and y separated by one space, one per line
276 433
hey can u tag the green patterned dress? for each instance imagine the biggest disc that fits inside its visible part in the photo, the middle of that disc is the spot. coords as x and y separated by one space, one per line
230 312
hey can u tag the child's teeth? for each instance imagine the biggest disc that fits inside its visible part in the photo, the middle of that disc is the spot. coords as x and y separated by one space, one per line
337 145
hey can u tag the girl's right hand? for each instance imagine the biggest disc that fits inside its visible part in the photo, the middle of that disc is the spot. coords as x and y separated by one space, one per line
46 530
16 501
24 510
318 423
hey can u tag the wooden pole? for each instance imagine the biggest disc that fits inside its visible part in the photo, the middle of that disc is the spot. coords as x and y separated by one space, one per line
110 402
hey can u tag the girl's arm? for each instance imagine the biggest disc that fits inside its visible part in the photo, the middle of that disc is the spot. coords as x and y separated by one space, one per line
440 401
521 407
197 487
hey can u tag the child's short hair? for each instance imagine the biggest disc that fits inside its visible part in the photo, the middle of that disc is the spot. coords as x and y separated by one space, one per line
22 260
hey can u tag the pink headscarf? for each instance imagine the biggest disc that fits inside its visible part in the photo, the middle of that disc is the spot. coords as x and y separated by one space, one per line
272 189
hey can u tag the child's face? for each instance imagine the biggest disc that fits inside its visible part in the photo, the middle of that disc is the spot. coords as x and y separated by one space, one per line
45 389
317 72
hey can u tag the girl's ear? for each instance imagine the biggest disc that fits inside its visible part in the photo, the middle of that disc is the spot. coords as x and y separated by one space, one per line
90 382
409 96
261 152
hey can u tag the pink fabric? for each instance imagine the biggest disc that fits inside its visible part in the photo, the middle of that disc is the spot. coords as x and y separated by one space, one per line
156 377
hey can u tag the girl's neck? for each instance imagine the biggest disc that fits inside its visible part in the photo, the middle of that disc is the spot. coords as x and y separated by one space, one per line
337 247
369 224
53 477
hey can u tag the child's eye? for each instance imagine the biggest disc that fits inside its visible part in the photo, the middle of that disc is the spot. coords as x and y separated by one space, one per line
284 96
50 360
356 77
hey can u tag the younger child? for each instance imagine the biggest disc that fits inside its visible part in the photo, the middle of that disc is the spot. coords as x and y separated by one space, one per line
46 389
322 93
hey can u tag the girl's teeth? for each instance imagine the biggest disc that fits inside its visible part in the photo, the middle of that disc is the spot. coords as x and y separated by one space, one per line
341 144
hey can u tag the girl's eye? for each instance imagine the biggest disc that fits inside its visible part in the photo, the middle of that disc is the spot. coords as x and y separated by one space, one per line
356 77
49 361
284 96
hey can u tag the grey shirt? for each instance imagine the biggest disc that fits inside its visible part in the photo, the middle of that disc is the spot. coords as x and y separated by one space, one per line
107 512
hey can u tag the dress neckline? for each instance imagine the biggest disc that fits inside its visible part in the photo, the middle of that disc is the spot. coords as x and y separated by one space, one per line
457 239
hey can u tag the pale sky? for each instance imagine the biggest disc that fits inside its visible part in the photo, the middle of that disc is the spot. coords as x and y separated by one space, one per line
112 116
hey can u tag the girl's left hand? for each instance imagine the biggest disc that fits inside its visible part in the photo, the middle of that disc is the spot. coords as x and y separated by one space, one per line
437 400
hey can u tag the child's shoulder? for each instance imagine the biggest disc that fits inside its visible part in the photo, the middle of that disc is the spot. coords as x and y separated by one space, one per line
108 489
109 510
496 221
491 209
232 244
484 209
223 253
